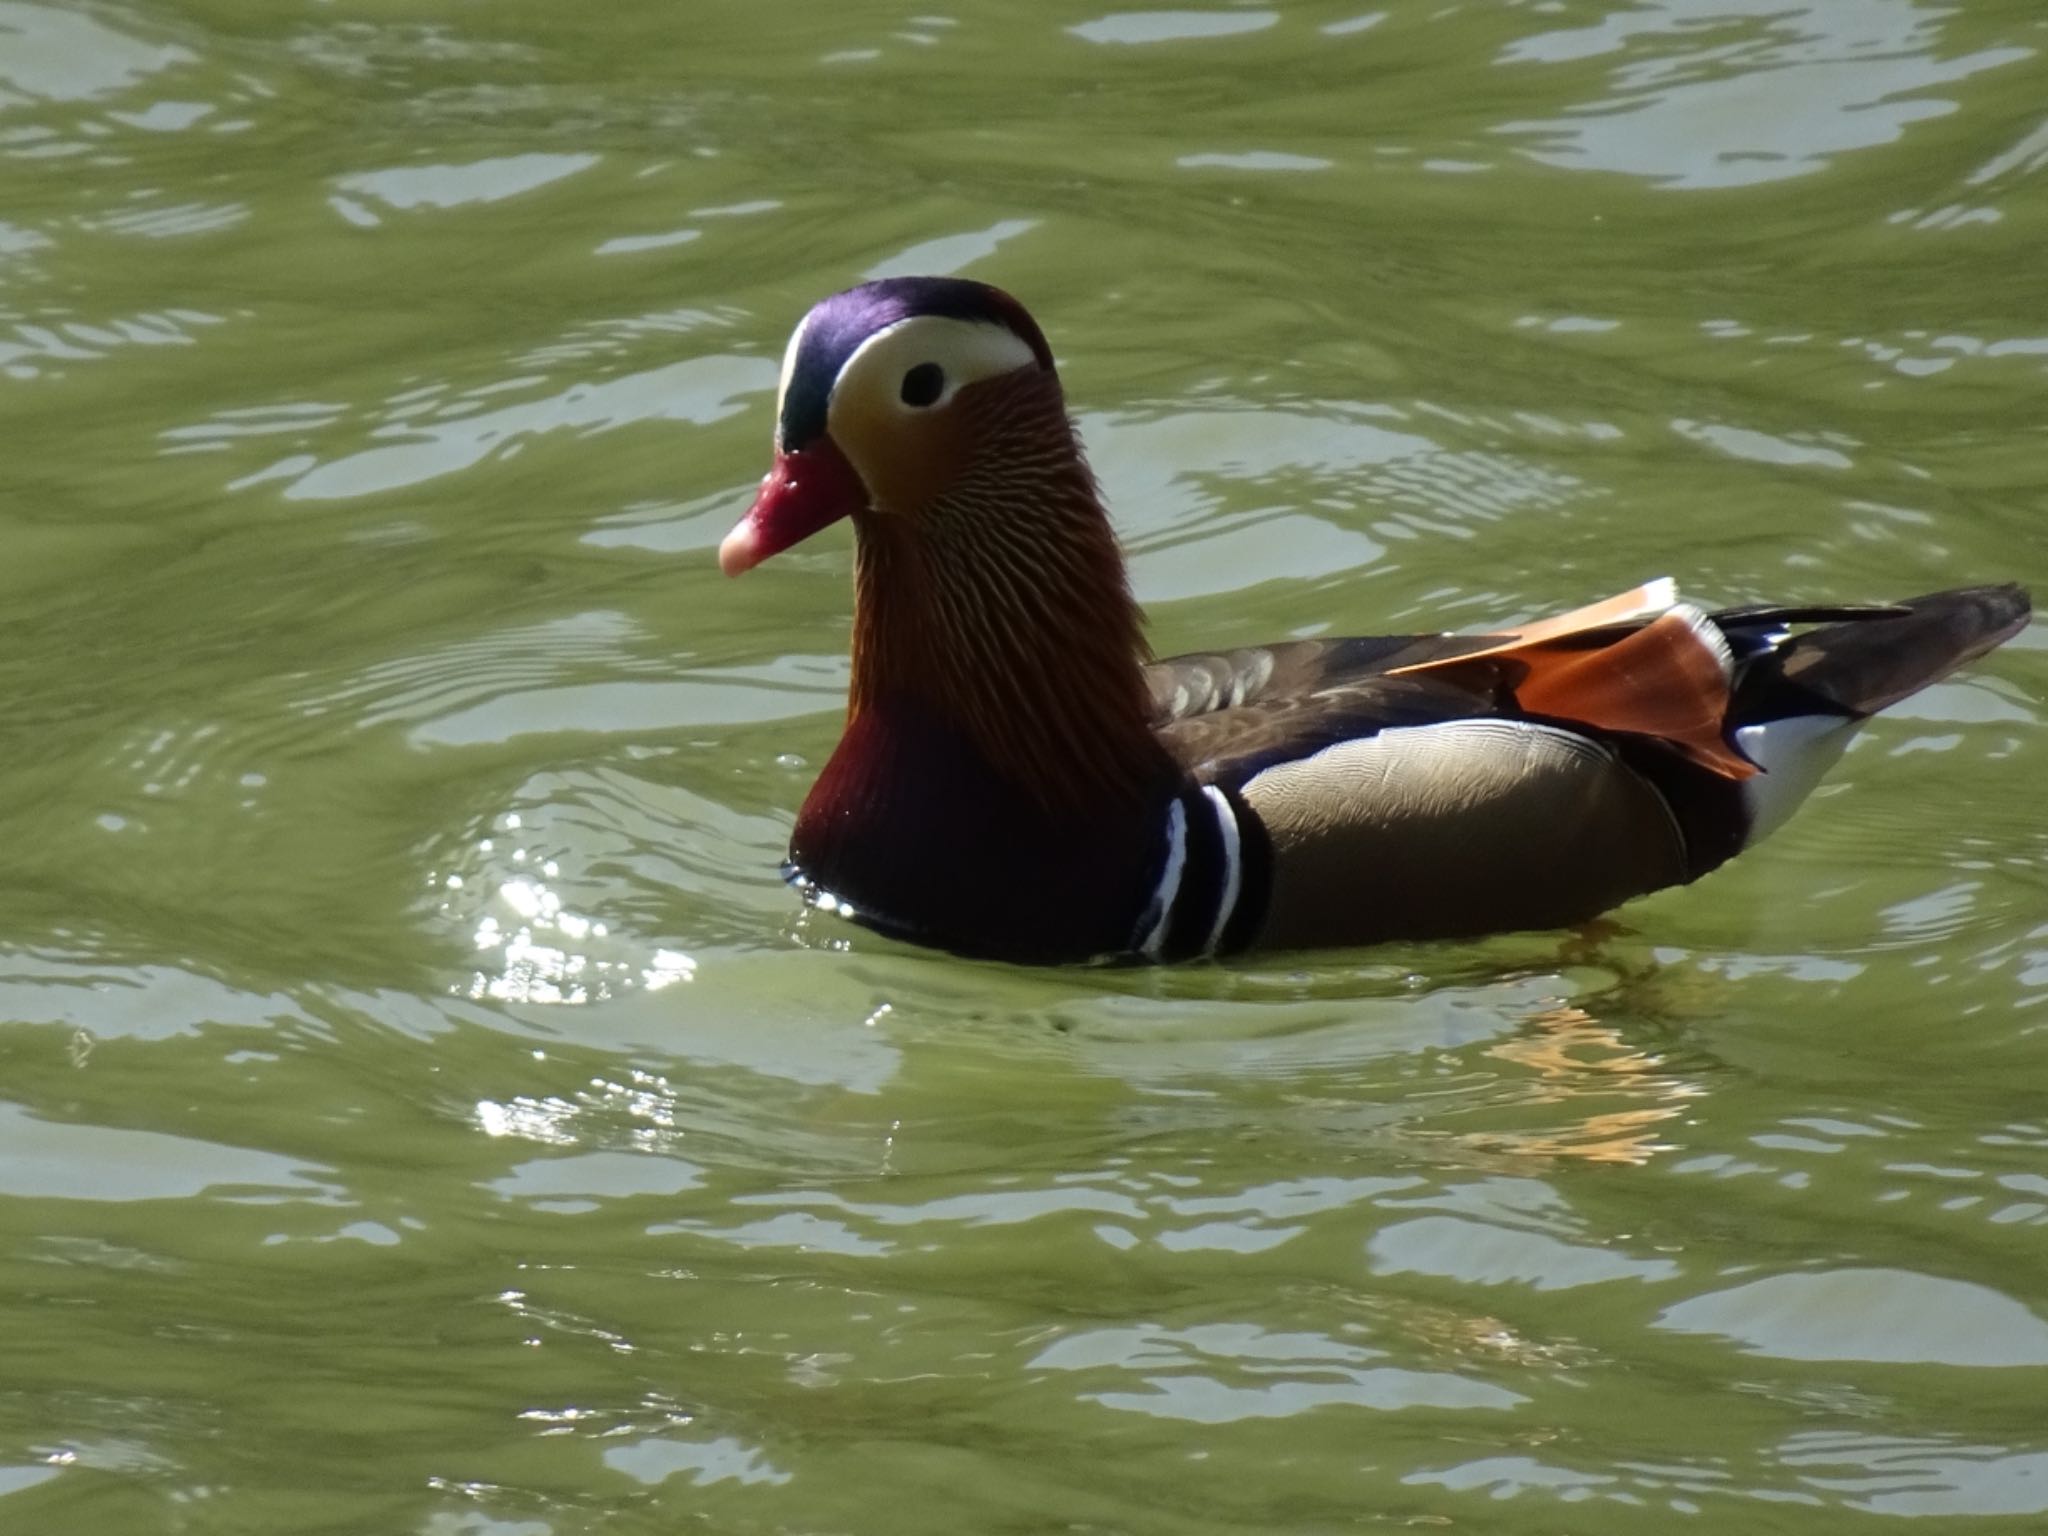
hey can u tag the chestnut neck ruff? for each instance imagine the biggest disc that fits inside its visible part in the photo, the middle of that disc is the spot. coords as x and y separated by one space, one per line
1004 607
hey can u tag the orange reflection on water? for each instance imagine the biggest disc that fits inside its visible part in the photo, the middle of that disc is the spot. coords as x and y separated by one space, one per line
1575 1056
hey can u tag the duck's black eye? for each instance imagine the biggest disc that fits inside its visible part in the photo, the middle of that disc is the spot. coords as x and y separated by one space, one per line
924 384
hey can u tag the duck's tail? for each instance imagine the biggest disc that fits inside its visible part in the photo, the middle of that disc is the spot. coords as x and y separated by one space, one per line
1798 699
1862 660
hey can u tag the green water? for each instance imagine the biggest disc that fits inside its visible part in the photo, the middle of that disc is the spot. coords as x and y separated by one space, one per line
422 1110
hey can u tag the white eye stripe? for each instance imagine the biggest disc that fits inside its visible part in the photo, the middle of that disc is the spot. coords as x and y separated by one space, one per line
789 353
965 351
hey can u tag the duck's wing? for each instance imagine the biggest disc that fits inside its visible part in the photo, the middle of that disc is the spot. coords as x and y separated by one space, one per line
1411 788
1642 665
1206 682
1226 744
1203 683
1428 803
1429 786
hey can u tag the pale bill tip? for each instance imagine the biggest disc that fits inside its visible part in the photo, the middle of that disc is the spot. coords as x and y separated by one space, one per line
740 550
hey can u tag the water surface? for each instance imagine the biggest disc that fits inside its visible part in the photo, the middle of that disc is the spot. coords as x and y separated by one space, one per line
423 1109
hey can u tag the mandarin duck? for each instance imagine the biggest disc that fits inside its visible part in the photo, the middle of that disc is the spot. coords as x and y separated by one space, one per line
1017 780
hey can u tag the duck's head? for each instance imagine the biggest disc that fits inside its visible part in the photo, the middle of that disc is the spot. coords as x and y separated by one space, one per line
896 396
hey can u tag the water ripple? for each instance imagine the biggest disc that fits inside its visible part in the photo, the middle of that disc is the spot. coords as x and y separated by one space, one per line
1732 93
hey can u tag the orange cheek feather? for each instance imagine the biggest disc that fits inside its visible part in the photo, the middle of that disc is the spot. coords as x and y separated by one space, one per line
907 460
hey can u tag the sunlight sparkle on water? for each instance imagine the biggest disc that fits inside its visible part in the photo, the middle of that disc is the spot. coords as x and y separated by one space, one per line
543 953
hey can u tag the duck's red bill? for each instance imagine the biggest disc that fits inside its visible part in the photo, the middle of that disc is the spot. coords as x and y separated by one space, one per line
805 491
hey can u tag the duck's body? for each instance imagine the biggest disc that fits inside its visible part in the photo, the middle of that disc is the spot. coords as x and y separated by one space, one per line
1016 782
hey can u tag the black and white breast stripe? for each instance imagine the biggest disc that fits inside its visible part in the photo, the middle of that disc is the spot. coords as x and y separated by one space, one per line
1212 878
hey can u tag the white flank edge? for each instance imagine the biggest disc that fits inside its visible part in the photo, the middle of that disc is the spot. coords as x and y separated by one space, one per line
1160 912
1794 753
1233 863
